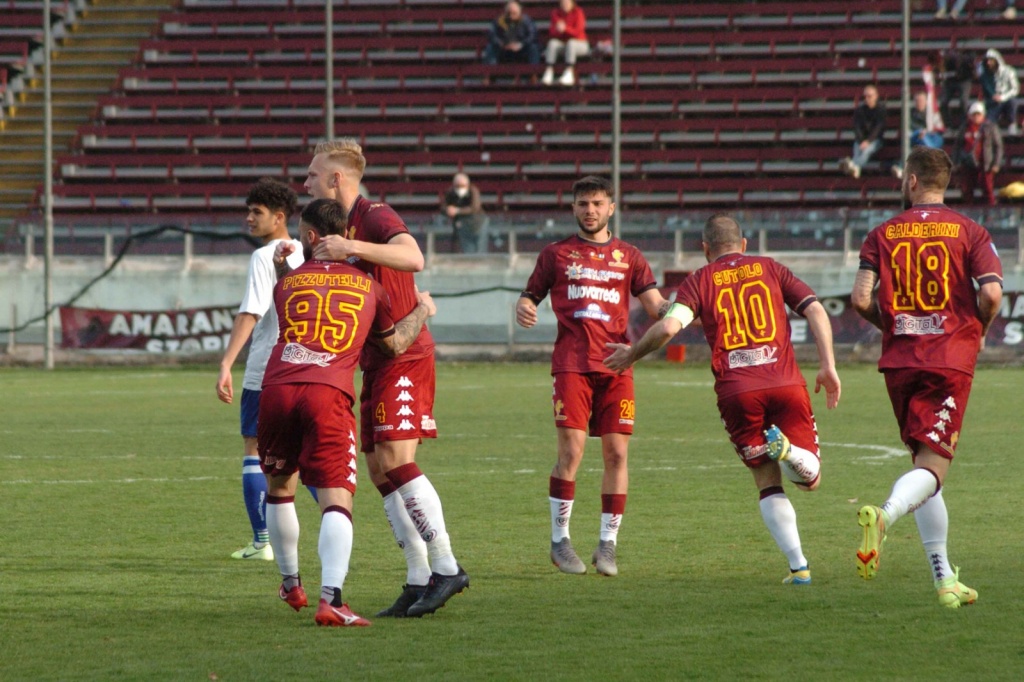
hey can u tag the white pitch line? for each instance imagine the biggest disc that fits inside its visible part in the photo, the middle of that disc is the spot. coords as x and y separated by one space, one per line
886 451
191 479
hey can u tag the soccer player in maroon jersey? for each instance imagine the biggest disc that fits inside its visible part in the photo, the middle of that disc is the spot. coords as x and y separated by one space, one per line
762 396
306 425
589 277
397 400
924 263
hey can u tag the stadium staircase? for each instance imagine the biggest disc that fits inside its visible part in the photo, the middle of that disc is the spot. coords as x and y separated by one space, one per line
725 105
92 42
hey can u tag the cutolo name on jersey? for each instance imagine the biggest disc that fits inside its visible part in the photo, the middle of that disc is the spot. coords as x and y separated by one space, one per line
595 293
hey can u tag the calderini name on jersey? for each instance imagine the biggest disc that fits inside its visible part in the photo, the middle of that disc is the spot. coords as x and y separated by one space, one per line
906 230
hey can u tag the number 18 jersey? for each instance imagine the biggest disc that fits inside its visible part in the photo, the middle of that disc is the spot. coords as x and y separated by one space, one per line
926 259
741 302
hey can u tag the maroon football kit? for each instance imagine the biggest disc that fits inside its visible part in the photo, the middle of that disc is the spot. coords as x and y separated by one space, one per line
741 302
397 400
589 285
927 260
326 311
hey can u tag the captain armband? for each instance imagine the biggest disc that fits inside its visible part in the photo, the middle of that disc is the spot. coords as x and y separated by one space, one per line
680 312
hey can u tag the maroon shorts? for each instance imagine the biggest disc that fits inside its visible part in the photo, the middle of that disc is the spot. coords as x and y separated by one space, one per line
746 416
929 406
600 403
308 428
397 403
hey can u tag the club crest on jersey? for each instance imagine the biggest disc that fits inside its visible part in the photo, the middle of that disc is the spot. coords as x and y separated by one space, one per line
617 262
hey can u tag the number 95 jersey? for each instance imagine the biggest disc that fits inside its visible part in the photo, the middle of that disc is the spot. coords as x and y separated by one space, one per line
741 302
926 259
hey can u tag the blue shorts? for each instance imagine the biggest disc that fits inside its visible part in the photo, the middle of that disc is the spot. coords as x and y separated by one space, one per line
250 412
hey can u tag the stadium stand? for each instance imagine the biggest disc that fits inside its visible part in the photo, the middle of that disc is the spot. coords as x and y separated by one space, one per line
732 104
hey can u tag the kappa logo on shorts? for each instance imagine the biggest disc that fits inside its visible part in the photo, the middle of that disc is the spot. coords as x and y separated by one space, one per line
404 382
406 425
405 411
427 423
405 397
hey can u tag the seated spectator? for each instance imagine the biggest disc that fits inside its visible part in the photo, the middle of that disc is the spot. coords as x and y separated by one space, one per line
1000 87
868 128
957 73
920 132
512 38
1011 10
977 155
469 222
568 35
943 11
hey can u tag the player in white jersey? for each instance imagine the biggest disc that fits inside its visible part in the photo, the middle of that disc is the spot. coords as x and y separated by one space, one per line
271 203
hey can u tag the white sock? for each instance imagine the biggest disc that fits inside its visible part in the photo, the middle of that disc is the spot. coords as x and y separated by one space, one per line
409 541
910 491
283 526
423 505
610 526
335 549
802 466
561 510
933 526
780 517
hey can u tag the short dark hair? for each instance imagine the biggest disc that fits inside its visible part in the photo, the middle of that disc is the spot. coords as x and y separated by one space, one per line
326 216
931 166
591 184
275 195
721 229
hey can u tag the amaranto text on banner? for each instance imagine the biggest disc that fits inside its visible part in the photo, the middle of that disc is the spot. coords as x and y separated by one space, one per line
195 330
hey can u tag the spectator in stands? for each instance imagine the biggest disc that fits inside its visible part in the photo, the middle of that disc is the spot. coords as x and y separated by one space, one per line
978 155
1011 10
868 128
943 11
568 34
1000 87
920 135
469 222
957 69
512 38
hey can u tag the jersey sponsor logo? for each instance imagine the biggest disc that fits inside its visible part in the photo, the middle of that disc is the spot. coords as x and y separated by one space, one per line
617 262
404 382
427 423
297 354
908 325
735 275
577 271
907 230
383 427
404 412
406 425
752 357
592 312
404 397
626 421
597 293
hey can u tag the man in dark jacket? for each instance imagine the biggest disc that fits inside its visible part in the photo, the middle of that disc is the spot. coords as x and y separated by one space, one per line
868 127
512 38
469 222
977 155
957 78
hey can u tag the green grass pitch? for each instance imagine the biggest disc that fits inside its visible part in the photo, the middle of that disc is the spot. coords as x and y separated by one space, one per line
121 503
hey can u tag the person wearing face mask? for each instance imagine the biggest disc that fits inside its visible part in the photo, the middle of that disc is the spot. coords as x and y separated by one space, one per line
469 222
